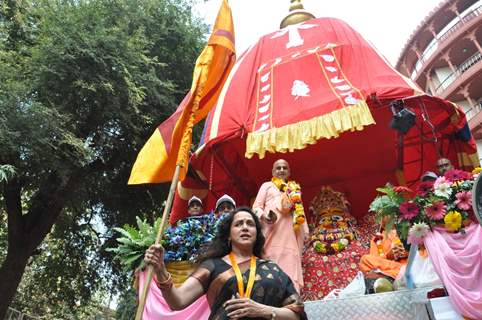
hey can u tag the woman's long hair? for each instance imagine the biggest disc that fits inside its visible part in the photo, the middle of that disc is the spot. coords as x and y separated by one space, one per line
221 244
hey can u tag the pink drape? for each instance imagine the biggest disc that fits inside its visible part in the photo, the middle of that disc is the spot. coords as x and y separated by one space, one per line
457 258
156 307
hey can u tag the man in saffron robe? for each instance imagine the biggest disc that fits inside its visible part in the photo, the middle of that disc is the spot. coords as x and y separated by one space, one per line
284 240
386 257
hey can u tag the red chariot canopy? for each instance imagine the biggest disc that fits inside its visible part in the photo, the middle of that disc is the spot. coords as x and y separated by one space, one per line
318 95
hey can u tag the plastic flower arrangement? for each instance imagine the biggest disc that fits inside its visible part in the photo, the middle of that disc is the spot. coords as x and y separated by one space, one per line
446 202
185 240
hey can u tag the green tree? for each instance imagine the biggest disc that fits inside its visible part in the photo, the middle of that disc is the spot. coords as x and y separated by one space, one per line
82 85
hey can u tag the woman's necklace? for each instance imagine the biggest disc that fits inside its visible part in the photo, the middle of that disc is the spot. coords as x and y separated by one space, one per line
239 277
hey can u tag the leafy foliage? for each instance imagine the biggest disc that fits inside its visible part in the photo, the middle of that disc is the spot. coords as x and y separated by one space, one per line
127 307
6 172
82 86
134 242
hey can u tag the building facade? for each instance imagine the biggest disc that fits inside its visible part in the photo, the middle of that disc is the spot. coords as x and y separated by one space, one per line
444 57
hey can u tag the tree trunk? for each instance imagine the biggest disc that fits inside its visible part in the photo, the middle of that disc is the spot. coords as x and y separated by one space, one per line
27 231
11 274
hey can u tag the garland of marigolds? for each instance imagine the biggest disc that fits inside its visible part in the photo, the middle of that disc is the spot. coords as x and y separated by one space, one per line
293 191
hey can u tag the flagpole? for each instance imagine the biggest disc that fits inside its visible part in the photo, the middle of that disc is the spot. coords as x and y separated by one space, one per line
165 215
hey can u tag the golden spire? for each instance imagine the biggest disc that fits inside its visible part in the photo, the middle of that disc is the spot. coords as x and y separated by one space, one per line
296 15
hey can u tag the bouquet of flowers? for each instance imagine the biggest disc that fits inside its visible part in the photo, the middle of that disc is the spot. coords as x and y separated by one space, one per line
445 202
182 242
185 240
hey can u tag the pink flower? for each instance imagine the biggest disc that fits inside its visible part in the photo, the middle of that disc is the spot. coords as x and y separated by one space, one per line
436 211
464 200
456 175
409 210
439 181
425 188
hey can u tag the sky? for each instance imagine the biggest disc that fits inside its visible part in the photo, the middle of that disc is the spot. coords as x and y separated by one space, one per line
387 24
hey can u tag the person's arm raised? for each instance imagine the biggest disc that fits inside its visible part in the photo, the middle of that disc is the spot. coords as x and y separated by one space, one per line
176 298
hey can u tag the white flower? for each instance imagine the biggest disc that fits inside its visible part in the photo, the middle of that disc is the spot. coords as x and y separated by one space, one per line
443 190
418 230
344 242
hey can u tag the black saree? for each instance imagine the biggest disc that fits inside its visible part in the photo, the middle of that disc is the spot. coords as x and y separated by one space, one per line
272 286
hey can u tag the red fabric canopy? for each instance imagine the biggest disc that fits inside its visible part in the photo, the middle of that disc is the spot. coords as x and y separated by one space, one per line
320 91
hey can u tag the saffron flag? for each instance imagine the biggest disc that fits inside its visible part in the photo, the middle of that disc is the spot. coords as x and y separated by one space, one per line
170 143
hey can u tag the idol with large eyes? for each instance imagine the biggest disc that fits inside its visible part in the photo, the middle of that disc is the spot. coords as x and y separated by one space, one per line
334 231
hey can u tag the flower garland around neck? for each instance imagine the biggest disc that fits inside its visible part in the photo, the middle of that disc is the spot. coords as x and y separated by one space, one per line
293 190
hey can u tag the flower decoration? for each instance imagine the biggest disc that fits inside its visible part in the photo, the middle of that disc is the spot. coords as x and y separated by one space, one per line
436 211
424 188
464 200
447 202
320 247
293 191
409 210
453 220
185 240
476 172
457 175
442 187
406 193
416 232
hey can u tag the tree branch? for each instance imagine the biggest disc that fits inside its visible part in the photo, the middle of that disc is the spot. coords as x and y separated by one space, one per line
47 204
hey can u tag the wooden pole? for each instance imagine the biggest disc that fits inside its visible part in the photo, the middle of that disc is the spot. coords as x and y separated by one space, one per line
165 215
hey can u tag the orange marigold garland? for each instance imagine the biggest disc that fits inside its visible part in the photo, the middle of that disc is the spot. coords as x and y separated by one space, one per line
293 191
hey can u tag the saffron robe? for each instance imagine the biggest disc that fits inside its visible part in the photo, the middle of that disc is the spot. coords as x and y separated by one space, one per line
283 244
383 264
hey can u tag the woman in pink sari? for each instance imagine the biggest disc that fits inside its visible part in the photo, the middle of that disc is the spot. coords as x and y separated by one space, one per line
284 244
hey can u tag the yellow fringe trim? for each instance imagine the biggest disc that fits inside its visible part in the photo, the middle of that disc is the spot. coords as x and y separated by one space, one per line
298 135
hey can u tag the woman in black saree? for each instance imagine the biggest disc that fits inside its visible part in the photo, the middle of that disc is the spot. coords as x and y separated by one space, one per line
238 282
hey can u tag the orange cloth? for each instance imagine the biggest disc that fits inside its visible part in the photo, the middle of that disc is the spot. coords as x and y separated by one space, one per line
170 143
374 261
283 244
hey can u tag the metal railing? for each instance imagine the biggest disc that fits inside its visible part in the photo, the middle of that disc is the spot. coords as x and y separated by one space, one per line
13 314
463 67
471 15
471 112
427 53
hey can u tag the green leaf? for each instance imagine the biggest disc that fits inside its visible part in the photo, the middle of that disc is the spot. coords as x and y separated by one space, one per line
125 232
402 229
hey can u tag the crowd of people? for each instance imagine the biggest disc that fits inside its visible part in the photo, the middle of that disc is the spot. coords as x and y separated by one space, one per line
252 269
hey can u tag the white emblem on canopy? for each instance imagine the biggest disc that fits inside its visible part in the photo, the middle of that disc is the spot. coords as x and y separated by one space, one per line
294 36
300 89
